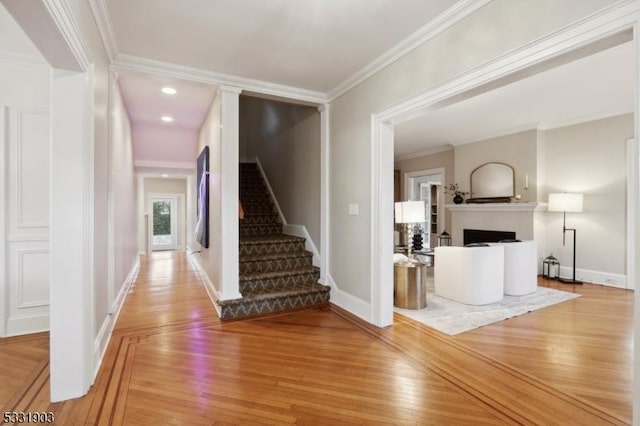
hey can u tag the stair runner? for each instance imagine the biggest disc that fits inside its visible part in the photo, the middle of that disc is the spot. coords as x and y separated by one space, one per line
276 272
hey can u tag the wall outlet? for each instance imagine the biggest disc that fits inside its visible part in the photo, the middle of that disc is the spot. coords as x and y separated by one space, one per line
354 209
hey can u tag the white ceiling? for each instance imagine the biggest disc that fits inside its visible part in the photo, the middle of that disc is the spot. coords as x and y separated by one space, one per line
593 87
316 45
146 104
12 37
310 44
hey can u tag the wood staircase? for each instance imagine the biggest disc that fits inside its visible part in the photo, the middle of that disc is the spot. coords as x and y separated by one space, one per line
276 272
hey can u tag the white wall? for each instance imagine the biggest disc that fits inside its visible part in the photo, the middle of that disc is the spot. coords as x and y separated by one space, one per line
498 27
164 143
210 135
591 158
123 197
517 150
286 140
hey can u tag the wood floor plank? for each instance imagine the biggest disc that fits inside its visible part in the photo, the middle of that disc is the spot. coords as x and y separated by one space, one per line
172 362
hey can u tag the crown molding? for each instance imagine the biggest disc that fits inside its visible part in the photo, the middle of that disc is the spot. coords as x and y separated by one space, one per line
125 62
581 120
105 27
424 153
449 17
165 164
23 58
63 18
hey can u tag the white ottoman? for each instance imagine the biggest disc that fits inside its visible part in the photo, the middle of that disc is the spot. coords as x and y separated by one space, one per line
520 267
471 275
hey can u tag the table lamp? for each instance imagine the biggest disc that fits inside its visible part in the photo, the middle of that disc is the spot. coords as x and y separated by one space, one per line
409 212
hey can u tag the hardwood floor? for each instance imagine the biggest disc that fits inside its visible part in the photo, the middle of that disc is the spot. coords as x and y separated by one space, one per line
171 361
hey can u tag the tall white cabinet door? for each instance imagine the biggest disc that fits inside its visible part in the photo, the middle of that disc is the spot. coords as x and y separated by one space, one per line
26 160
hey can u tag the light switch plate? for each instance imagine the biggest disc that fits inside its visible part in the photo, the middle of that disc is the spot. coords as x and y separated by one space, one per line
353 209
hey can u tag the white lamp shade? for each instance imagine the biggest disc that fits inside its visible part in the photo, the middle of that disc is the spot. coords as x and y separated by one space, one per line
565 202
410 212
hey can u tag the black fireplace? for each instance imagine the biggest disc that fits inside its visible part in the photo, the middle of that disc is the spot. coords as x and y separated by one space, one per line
486 236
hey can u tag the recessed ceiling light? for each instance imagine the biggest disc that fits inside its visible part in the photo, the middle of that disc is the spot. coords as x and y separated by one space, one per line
165 176
167 119
169 90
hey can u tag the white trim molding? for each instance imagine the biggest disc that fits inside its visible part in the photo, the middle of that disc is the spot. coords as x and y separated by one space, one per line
165 164
103 21
124 62
325 129
212 291
633 182
619 17
103 337
498 207
348 302
302 232
63 18
270 189
424 153
4 142
595 277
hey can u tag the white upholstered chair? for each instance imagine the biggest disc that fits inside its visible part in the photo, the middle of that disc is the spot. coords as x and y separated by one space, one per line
520 267
471 275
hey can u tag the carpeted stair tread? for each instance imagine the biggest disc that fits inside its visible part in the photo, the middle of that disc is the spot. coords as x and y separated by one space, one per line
277 274
274 256
248 297
270 239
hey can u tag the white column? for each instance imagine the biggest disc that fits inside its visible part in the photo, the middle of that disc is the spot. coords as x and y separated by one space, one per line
71 318
230 191
381 223
324 192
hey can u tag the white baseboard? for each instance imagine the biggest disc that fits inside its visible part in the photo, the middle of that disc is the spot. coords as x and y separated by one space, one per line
212 291
596 277
30 324
301 231
101 341
348 302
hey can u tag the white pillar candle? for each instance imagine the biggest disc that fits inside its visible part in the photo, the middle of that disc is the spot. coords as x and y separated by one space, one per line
526 181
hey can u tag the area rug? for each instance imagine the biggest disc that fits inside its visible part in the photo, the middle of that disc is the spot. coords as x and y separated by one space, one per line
454 318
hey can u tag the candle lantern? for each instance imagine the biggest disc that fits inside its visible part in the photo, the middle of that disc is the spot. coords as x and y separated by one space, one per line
444 239
550 268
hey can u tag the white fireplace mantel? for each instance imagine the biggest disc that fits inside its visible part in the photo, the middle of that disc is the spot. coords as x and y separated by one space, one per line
498 207
525 219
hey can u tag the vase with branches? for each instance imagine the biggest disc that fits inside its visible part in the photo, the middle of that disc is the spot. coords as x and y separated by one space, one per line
458 194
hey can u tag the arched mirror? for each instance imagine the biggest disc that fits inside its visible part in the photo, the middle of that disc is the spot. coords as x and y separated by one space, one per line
493 180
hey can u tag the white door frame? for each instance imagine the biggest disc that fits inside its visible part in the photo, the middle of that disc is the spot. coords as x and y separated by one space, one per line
632 209
174 220
4 112
440 201
624 16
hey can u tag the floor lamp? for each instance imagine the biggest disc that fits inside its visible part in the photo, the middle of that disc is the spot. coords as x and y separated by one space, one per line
572 203
409 212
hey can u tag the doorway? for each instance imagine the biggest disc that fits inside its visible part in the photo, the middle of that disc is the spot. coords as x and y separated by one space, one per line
163 222
426 185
